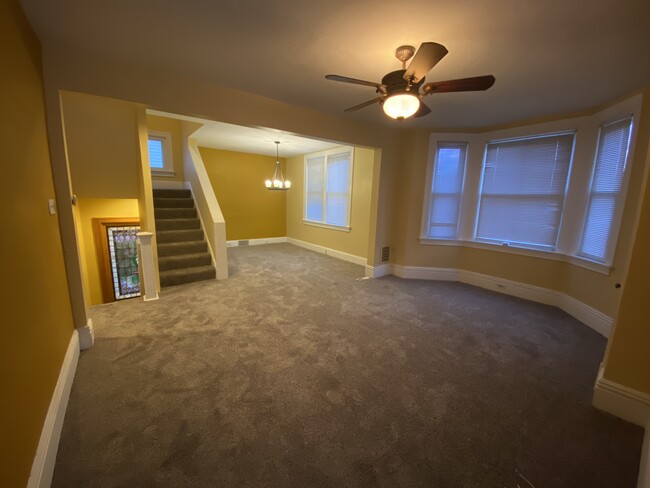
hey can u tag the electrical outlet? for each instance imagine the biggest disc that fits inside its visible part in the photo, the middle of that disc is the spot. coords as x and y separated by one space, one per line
51 206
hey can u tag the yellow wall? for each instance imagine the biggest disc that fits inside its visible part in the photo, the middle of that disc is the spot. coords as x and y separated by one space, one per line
250 210
173 126
355 241
101 136
91 208
36 321
628 357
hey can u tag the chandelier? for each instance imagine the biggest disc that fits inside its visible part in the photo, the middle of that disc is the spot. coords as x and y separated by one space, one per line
277 182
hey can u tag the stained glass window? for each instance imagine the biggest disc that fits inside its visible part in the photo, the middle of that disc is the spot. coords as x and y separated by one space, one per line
123 250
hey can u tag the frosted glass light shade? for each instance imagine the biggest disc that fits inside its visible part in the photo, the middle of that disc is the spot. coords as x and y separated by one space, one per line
401 106
268 183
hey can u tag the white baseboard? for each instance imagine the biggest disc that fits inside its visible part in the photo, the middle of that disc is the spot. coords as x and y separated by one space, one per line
425 273
589 316
379 270
256 242
45 458
619 400
86 336
167 185
328 251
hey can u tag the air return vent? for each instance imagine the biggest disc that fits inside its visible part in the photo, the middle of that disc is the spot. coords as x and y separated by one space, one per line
385 254
244 243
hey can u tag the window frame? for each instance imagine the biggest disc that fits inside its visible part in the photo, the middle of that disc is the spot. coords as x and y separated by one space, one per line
326 154
619 200
168 160
426 223
516 244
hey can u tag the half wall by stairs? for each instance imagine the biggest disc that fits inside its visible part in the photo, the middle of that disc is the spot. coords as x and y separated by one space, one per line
183 255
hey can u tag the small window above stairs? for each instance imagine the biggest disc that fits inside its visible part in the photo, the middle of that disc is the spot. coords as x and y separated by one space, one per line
183 255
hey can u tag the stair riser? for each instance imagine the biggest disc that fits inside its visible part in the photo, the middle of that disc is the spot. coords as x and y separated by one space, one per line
169 263
177 224
173 203
175 213
166 281
172 194
179 236
182 248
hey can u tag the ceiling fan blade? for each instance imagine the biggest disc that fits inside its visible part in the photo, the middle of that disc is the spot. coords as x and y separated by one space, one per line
429 54
364 104
477 83
354 81
422 111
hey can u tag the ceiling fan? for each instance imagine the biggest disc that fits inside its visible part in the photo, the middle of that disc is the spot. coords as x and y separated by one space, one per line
400 92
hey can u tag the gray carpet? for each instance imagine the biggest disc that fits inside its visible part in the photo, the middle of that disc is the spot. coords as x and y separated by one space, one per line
296 373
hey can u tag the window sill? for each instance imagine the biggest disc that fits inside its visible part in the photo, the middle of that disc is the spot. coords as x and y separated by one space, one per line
163 172
326 226
521 251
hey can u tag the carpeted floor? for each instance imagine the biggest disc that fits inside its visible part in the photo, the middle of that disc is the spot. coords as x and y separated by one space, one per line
296 373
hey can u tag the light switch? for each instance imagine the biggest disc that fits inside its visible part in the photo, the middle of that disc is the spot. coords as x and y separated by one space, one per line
51 205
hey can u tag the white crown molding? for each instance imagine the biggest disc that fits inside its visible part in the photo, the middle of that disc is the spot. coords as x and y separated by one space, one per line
48 445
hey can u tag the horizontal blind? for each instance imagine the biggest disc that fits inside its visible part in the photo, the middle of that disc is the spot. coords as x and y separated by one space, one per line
315 188
338 189
446 188
156 156
523 189
609 169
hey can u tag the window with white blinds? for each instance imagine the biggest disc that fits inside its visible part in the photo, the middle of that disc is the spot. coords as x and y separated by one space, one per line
522 191
446 190
328 186
607 180
156 154
160 153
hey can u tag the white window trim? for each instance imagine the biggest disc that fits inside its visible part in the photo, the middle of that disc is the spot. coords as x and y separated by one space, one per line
168 160
324 155
586 140
431 171
620 197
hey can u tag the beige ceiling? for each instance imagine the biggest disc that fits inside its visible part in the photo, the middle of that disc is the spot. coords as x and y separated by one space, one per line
548 56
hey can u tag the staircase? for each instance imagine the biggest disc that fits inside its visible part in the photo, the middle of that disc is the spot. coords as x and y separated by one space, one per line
183 255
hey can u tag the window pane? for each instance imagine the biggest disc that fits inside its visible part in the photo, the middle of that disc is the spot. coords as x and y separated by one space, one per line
446 187
599 221
315 207
156 158
338 188
315 187
610 164
523 189
531 221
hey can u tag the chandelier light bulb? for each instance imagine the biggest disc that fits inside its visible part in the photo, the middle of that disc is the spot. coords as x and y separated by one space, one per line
268 183
287 184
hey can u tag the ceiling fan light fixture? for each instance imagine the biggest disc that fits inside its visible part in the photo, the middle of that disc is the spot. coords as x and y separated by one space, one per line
401 106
